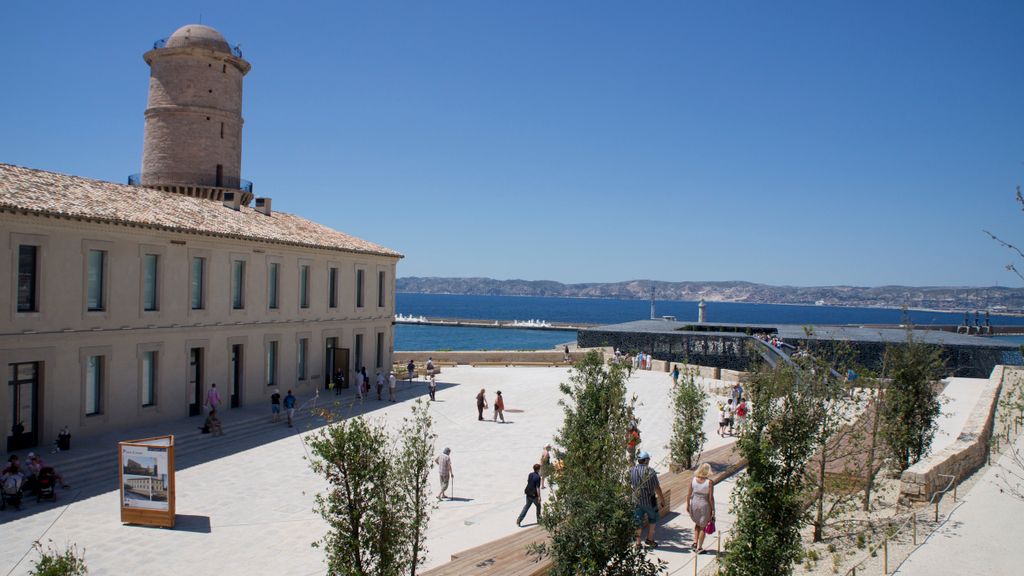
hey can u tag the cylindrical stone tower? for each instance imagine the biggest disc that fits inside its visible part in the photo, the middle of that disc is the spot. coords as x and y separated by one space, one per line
193 139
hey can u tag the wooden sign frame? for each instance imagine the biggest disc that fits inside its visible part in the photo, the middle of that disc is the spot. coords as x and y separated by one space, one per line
146 478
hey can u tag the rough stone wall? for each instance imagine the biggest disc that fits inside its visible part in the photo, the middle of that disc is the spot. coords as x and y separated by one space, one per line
192 93
968 453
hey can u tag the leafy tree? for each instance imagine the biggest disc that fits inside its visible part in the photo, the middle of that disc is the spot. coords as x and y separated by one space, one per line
912 407
690 404
54 562
839 435
769 499
414 464
377 504
589 518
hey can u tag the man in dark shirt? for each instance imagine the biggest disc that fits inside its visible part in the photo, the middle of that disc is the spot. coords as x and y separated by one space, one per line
532 494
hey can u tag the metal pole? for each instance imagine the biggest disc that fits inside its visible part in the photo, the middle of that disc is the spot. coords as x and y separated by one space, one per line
936 510
885 556
696 557
914 517
718 546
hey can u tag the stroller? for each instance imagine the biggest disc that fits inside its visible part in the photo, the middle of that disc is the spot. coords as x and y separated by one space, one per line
11 491
46 484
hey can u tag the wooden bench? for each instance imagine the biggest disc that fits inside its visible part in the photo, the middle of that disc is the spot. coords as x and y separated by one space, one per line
508 556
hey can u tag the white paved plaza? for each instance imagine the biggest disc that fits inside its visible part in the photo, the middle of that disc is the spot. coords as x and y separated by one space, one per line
251 512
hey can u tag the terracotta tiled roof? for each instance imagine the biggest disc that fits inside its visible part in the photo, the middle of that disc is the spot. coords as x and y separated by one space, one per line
40 192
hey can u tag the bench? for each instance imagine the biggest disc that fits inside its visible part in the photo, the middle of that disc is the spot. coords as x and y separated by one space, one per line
507 556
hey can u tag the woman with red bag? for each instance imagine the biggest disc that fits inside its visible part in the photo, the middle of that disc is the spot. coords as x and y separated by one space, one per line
700 504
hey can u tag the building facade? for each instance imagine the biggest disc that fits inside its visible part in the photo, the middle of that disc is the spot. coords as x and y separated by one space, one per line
124 304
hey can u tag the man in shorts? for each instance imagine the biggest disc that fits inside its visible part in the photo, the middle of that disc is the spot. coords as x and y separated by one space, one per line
644 481
444 468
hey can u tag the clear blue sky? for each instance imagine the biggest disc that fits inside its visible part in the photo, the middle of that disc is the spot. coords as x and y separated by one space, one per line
801 143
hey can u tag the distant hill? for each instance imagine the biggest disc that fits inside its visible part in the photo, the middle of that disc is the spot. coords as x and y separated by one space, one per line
995 298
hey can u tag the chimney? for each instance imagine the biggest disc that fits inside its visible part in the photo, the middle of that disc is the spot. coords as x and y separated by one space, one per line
232 200
263 206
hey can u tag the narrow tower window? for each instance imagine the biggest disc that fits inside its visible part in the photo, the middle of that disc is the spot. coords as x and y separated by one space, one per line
221 130
220 175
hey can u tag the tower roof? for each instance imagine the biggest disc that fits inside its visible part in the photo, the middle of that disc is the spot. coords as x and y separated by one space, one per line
197 35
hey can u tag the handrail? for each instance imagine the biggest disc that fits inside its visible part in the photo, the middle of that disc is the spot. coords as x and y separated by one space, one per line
236 51
912 519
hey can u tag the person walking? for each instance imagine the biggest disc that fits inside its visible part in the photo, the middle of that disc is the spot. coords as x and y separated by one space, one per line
565 356
700 504
632 440
380 385
212 398
275 405
432 388
532 492
339 381
410 368
646 496
499 408
675 375
289 405
366 381
392 386
444 468
359 384
545 466
481 404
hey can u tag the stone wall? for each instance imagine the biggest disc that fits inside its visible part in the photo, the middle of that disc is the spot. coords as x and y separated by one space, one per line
965 455
489 356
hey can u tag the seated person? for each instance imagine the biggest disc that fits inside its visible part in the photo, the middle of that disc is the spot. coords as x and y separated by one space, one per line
12 479
35 464
212 424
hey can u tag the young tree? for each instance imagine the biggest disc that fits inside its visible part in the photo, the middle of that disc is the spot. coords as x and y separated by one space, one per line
911 410
690 404
769 498
589 518
351 455
415 461
377 504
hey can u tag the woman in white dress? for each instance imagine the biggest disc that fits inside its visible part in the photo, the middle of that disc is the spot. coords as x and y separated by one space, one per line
700 503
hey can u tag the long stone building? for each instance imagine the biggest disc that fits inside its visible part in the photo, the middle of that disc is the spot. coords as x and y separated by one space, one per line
125 303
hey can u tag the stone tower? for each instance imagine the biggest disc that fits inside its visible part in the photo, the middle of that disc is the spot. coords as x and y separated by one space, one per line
193 139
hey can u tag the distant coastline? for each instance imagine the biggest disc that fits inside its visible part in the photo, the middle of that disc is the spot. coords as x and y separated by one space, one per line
997 299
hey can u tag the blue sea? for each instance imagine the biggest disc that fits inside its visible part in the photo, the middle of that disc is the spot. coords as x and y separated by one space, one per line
609 311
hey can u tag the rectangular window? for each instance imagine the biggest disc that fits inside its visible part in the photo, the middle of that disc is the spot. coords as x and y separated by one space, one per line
359 351
272 363
359 288
304 286
380 289
380 349
303 350
198 271
272 286
238 284
148 378
332 287
28 271
93 385
149 282
95 301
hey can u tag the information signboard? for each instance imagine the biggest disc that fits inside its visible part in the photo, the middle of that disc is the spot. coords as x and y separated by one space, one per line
147 481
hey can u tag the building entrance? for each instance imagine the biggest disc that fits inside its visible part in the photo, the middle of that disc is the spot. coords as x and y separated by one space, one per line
24 395
338 358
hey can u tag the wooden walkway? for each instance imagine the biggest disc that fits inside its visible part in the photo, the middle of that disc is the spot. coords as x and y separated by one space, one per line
508 556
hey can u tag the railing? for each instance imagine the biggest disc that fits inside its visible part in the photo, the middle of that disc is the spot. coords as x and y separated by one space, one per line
166 179
236 51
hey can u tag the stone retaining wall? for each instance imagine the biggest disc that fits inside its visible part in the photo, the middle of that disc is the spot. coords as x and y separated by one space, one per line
965 455
489 356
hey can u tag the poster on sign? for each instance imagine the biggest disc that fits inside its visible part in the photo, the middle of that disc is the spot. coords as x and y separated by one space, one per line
147 481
